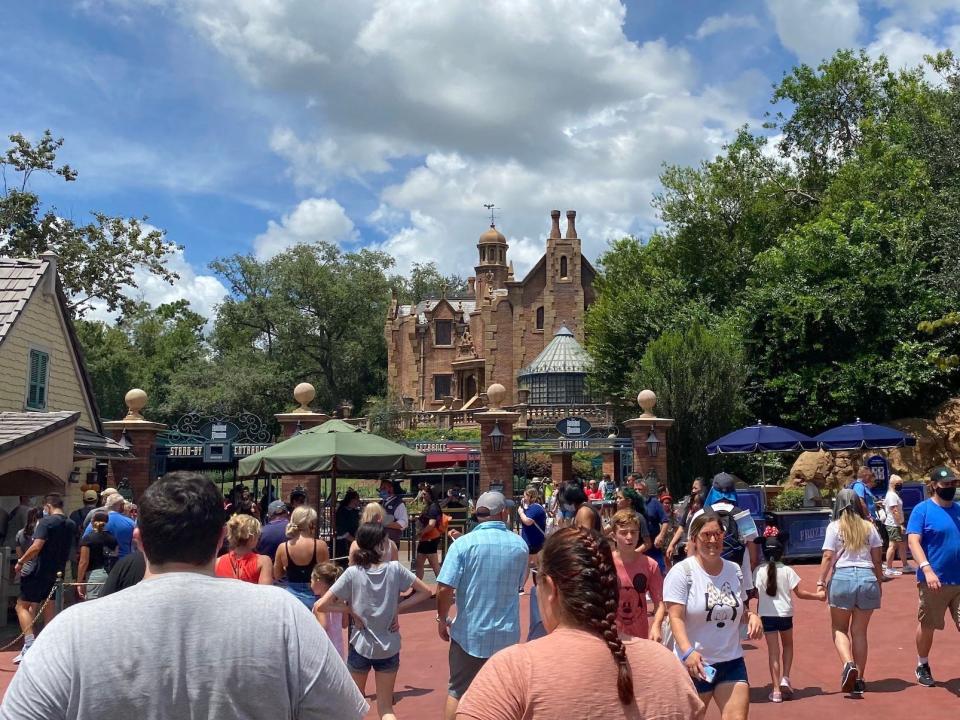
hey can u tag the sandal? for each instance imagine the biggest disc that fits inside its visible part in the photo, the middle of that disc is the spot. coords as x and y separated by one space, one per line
775 697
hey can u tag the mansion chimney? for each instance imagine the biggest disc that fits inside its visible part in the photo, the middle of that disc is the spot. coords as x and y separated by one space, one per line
555 225
571 224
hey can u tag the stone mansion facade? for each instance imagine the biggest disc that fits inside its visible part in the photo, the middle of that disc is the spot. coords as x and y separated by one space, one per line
442 353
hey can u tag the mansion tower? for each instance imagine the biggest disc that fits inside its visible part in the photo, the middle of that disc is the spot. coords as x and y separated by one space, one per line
443 352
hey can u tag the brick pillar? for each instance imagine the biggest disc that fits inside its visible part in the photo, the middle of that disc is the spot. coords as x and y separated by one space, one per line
561 467
142 436
496 467
640 428
303 418
610 462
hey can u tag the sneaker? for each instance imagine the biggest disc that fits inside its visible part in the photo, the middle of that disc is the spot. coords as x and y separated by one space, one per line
888 573
849 677
786 689
775 697
924 677
19 657
858 687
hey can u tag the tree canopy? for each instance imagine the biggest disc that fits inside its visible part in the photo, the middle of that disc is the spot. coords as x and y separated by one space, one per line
828 256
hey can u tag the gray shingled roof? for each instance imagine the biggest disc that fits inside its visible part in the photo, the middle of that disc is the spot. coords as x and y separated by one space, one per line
87 443
19 428
562 355
428 306
18 278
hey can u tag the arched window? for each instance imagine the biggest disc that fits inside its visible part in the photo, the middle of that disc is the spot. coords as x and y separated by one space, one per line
503 256
540 318
483 253
563 266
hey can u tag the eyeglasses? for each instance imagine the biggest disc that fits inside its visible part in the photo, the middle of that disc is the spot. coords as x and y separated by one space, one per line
711 535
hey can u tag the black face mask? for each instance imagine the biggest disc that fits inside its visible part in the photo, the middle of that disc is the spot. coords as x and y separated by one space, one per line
945 493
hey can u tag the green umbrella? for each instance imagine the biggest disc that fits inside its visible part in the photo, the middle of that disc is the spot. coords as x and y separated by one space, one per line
335 446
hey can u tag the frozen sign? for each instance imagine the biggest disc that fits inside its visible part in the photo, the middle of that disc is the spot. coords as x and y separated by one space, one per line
572 427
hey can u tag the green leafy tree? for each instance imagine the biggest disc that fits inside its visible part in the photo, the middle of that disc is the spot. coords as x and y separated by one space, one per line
426 281
699 376
97 260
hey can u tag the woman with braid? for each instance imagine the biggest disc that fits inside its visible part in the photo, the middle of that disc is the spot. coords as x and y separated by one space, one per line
577 591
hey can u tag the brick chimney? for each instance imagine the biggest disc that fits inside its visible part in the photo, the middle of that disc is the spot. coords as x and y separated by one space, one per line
571 224
555 226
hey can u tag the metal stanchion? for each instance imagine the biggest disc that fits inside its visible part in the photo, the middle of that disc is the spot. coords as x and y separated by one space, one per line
58 593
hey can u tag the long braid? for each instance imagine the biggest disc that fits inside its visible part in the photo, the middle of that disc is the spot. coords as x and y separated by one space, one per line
580 562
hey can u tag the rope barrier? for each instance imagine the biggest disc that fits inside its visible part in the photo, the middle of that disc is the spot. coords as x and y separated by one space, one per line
43 605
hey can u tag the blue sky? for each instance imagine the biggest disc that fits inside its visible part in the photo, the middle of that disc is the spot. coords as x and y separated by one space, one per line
247 126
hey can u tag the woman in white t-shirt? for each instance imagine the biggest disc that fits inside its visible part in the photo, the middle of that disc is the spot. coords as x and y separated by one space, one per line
894 524
775 582
851 572
706 602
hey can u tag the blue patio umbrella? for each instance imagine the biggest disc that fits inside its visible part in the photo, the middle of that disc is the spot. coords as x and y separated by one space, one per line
863 436
761 438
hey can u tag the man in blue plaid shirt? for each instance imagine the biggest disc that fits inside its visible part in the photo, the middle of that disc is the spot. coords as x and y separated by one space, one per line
486 568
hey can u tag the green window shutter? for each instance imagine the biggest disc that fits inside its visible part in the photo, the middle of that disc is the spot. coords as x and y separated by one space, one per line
37 390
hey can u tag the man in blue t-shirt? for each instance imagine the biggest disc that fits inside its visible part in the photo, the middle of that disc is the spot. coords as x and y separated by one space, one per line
118 525
933 534
657 523
863 487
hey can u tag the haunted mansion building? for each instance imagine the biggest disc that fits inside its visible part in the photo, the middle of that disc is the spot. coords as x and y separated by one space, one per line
442 353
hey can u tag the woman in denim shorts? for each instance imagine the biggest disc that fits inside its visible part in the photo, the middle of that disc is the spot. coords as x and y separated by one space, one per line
852 574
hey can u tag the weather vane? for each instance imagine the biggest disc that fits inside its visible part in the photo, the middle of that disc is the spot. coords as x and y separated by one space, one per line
490 207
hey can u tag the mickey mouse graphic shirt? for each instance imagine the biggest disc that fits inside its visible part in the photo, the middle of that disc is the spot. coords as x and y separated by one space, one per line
636 579
714 607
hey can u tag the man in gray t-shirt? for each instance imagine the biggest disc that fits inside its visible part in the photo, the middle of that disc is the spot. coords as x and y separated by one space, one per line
196 647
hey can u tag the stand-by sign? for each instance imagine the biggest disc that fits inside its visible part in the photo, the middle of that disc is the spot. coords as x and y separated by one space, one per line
881 469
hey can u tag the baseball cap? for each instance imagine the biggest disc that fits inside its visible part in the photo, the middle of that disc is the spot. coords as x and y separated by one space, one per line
725 482
89 495
276 508
491 503
942 474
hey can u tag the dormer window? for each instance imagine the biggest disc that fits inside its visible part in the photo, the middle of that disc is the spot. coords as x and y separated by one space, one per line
443 332
563 266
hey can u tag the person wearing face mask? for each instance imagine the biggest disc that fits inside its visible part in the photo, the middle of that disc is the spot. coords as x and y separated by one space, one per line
893 506
397 519
933 534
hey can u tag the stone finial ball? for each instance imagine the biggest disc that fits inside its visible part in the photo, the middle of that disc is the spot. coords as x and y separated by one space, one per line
136 400
647 399
304 393
496 394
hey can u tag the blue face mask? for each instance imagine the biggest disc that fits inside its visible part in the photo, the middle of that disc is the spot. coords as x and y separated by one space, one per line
384 494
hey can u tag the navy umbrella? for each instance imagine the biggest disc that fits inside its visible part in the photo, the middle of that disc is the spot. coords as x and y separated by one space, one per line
863 436
761 438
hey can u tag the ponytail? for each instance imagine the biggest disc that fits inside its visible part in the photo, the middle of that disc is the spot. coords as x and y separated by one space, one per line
580 563
773 552
771 577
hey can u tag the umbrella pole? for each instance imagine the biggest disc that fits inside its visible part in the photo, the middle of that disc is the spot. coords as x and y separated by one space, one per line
333 503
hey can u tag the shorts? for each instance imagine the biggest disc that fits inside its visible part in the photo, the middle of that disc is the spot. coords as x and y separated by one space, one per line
428 547
728 671
358 663
933 604
893 532
463 669
854 588
36 588
773 623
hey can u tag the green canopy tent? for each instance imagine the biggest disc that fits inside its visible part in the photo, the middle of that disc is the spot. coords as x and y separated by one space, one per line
334 447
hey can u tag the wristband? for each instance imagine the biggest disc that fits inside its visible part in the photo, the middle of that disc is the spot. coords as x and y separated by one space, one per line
688 653
924 564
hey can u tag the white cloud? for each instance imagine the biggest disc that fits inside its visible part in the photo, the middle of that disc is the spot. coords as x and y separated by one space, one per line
915 14
814 29
203 292
721 23
312 220
904 49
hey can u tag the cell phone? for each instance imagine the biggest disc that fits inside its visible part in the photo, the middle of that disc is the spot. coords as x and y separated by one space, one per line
709 672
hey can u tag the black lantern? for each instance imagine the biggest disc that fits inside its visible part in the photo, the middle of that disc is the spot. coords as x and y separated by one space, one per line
298 429
653 443
75 475
125 441
496 437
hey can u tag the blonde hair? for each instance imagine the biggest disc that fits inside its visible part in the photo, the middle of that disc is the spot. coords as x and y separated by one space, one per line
372 513
240 528
326 572
625 518
854 530
301 519
531 495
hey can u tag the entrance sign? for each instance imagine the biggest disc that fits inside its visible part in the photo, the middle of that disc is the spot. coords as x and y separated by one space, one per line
574 427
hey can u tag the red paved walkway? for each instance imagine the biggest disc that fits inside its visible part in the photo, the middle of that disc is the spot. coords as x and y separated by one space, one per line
891 689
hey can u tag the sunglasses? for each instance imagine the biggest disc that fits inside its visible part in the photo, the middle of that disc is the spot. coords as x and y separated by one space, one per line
711 535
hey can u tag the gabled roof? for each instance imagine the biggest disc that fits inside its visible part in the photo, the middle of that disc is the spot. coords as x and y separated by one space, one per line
19 279
563 354
425 307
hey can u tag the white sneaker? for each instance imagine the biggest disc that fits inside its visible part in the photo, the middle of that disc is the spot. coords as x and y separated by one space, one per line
888 573
19 657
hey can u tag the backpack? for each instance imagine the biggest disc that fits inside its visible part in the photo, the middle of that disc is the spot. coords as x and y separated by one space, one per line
733 545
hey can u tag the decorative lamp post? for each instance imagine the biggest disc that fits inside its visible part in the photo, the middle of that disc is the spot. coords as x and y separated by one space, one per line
653 443
496 437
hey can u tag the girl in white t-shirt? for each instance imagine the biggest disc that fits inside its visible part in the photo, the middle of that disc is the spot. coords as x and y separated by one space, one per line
774 582
851 573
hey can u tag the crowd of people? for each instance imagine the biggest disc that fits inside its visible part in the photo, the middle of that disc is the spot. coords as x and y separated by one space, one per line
645 592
